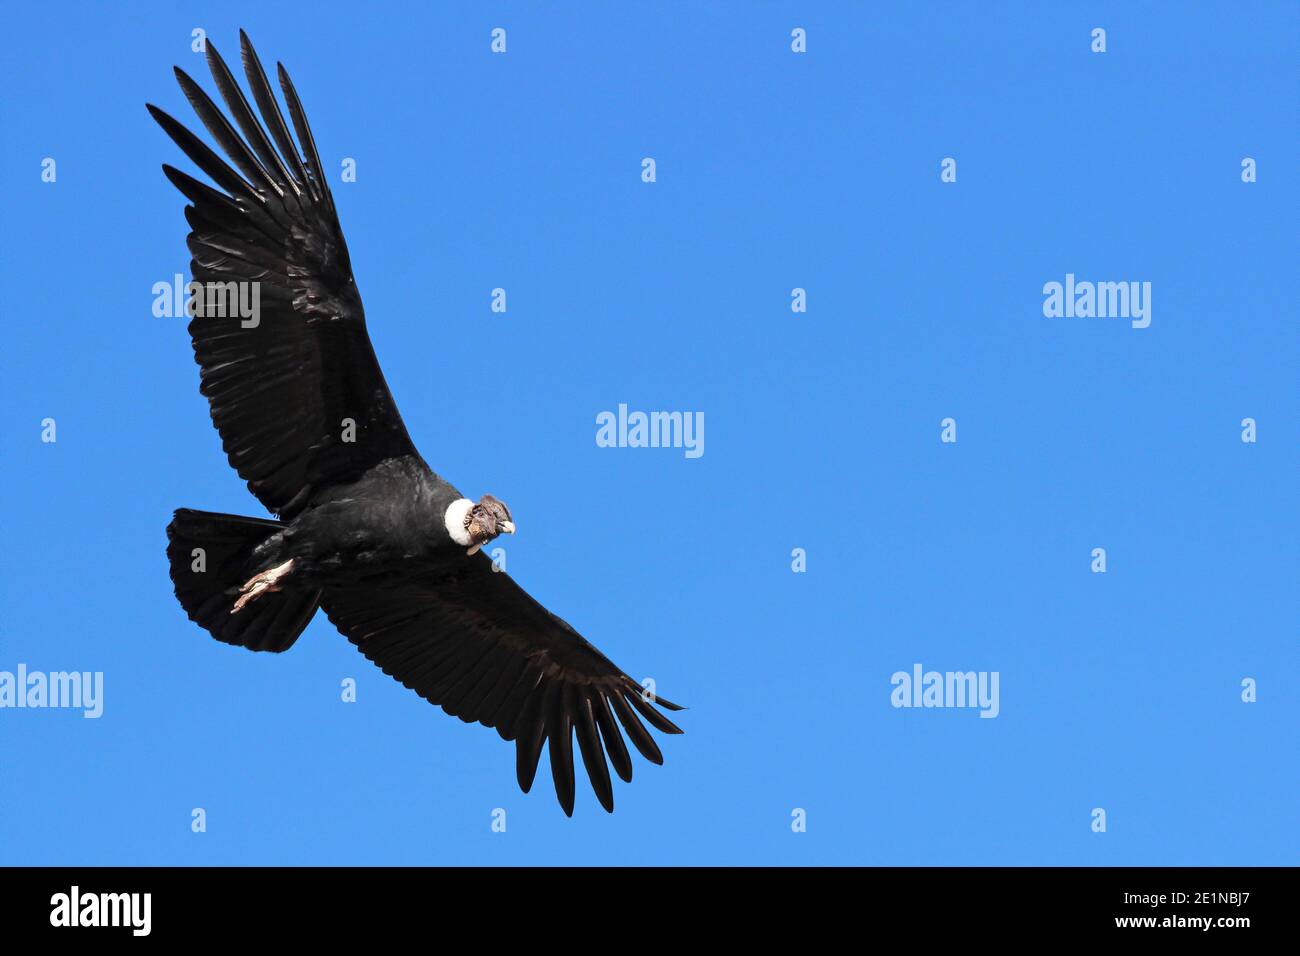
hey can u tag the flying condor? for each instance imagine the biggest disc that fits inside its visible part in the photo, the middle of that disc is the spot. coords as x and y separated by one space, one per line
365 530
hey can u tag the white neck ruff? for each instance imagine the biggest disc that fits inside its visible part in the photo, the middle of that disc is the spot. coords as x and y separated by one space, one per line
455 520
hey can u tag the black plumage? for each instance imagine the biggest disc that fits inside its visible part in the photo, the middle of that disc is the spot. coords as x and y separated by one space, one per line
365 530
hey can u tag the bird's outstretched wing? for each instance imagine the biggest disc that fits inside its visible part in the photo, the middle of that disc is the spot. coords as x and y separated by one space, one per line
298 397
470 639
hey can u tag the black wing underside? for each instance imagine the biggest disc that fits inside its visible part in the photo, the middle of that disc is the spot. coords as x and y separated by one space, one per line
284 393
474 642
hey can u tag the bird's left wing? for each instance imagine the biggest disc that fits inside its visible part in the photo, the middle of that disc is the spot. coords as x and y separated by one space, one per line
293 385
471 640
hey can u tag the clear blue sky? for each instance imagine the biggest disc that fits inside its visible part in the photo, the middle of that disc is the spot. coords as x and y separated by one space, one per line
775 170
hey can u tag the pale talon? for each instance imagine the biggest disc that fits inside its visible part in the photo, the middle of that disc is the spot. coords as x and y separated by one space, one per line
475 549
259 584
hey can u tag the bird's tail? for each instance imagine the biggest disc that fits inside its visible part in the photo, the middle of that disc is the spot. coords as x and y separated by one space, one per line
211 556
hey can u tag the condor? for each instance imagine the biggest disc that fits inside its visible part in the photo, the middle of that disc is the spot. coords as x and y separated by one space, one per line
364 529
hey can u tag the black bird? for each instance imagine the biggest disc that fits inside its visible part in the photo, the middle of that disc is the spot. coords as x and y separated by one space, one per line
365 530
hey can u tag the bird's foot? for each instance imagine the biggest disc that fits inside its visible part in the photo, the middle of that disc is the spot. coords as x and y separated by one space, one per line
259 584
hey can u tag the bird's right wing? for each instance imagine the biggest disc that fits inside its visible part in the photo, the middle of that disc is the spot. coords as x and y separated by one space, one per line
473 641
295 390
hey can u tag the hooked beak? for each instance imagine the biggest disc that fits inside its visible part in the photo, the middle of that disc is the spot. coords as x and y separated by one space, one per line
508 527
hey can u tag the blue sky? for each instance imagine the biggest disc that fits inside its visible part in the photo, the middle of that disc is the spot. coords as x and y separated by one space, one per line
775 170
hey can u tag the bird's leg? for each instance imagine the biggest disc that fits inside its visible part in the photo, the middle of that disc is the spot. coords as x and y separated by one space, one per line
258 584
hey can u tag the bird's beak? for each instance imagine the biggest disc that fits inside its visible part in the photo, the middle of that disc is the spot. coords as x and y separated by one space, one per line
508 527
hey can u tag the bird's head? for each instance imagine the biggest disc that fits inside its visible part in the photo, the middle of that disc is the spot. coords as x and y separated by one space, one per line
474 525
487 519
